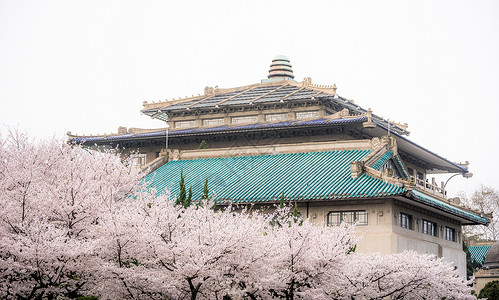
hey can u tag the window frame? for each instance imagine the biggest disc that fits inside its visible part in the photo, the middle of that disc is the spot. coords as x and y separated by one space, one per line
244 119
216 121
300 115
184 124
429 227
276 117
405 221
452 236
356 214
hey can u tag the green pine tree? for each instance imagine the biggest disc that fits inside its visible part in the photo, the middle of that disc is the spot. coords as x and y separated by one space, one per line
203 145
297 215
490 291
281 201
181 195
188 201
206 191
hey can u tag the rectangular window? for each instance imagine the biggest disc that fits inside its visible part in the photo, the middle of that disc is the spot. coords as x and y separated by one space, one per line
138 159
276 117
428 227
336 217
185 124
213 122
307 114
244 119
450 234
405 221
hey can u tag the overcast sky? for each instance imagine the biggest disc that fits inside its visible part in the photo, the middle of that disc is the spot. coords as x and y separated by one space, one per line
87 66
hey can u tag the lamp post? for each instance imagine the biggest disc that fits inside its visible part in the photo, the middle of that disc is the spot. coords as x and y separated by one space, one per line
465 175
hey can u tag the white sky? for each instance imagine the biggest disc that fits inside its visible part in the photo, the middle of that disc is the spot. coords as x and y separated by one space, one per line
86 66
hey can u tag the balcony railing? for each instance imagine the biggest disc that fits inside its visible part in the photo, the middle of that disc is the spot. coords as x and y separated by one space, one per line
431 187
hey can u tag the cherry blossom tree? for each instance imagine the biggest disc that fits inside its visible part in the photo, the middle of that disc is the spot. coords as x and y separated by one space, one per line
77 222
308 255
51 195
407 275
157 249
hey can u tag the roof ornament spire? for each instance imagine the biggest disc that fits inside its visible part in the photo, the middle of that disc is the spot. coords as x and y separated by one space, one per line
280 70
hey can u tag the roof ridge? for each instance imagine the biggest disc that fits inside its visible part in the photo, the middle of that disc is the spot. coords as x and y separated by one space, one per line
266 94
210 92
234 96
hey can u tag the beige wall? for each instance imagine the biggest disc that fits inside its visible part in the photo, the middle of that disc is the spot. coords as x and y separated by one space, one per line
383 234
482 277
260 113
151 151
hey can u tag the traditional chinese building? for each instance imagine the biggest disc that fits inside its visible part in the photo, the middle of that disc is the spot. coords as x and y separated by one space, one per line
490 270
338 161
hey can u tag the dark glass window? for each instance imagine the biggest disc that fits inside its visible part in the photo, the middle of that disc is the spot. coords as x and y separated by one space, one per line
336 217
429 227
405 221
450 234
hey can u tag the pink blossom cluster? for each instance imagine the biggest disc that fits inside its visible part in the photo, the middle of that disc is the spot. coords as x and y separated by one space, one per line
74 222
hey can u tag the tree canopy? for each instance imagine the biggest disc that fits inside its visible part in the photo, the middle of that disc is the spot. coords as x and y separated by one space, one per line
74 222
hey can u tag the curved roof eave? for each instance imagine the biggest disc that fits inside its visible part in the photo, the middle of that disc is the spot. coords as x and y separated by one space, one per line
419 151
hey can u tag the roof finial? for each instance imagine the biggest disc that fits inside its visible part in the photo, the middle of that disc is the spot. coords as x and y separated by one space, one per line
280 69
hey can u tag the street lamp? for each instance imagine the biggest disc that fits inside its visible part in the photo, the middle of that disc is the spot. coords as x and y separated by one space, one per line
465 175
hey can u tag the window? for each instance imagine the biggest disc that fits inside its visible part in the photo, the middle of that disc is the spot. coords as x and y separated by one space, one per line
405 221
213 122
138 159
244 119
185 124
307 114
276 117
410 171
389 165
336 217
450 234
428 227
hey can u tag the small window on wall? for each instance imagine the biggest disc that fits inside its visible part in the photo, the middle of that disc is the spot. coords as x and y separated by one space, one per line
450 234
428 227
213 122
244 119
307 114
185 124
138 159
337 217
405 221
276 117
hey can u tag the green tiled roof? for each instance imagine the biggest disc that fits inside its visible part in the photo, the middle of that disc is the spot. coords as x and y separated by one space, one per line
400 166
448 208
383 159
302 176
479 252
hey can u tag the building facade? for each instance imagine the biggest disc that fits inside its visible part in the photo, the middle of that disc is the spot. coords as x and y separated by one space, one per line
338 161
